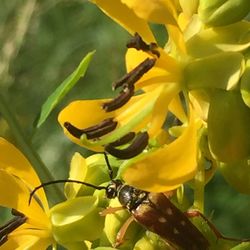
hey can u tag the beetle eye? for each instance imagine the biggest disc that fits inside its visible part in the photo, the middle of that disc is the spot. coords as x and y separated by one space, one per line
111 192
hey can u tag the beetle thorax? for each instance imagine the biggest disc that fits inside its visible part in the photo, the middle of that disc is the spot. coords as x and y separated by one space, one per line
131 197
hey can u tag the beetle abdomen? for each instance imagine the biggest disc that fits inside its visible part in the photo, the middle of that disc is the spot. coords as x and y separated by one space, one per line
160 216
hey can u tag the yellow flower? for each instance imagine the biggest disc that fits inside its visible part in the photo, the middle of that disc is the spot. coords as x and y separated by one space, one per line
31 228
35 225
196 60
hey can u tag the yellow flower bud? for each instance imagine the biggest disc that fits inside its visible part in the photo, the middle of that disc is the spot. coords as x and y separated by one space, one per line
222 12
229 126
71 220
237 174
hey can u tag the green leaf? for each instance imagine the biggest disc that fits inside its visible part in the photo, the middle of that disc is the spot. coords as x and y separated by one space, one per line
242 246
54 99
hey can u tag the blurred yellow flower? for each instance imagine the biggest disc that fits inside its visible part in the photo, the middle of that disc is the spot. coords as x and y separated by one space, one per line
30 228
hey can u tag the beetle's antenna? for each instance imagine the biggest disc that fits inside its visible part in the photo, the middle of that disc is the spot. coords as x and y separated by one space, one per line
63 181
109 166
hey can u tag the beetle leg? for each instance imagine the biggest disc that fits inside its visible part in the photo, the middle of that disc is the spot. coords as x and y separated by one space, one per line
120 235
195 213
110 210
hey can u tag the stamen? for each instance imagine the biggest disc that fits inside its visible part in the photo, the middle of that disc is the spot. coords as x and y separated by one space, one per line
123 140
3 240
92 132
136 42
134 75
102 130
10 227
16 212
136 147
76 132
102 124
120 100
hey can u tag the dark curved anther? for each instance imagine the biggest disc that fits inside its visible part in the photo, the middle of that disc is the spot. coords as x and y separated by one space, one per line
92 132
123 140
3 240
16 212
102 130
134 75
76 132
120 100
135 148
10 226
137 42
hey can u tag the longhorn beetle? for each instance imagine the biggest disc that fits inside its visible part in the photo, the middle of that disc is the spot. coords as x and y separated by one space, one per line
154 211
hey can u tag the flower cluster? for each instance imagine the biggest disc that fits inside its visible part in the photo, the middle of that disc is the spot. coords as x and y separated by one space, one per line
181 113
199 78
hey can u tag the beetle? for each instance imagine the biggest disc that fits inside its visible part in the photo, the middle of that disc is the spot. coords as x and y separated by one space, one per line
154 211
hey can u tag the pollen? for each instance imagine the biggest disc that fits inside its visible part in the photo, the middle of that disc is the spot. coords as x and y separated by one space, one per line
162 220
169 211
183 223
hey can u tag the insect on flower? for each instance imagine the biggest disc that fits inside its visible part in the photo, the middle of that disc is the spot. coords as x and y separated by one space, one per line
154 211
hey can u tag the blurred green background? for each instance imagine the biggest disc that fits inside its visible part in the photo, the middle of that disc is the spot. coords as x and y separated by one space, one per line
41 43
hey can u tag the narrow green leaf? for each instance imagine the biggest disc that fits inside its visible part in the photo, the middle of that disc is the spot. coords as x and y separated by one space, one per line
53 100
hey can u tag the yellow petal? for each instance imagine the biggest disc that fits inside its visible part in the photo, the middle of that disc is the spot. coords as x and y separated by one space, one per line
176 107
126 18
168 167
176 39
14 162
164 62
83 114
231 38
15 195
161 108
78 171
133 116
189 7
165 70
158 11
22 242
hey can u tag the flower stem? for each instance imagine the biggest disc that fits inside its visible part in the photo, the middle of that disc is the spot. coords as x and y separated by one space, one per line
54 192
199 181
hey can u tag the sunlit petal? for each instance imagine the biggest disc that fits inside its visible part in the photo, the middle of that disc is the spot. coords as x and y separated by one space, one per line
189 7
78 171
16 195
131 117
14 162
21 242
126 18
168 167
176 107
234 37
160 11
159 113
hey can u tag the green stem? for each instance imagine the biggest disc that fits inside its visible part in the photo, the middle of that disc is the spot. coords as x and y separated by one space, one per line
54 192
199 181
